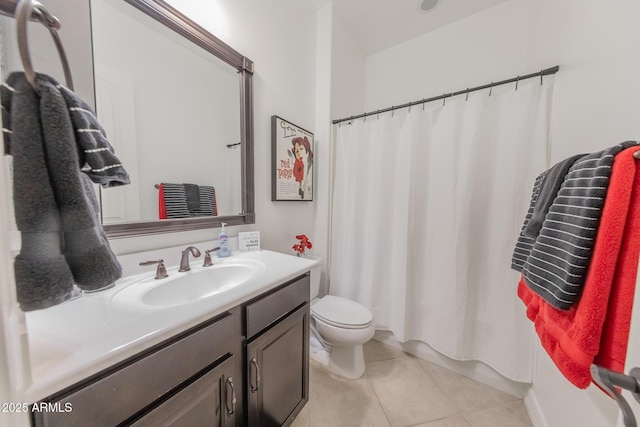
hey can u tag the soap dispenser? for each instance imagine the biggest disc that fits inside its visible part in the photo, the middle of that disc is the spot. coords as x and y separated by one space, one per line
223 243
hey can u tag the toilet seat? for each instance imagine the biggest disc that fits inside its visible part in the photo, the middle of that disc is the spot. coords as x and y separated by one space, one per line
342 313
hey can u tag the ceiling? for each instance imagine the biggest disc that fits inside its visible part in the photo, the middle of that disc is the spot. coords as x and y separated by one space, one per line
380 24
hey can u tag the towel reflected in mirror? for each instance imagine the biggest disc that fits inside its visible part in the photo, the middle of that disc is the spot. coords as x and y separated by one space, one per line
186 200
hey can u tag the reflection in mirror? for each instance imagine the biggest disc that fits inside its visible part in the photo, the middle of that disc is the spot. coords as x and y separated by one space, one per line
171 109
176 103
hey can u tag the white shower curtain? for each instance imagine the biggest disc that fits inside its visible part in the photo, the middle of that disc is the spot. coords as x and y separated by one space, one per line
427 207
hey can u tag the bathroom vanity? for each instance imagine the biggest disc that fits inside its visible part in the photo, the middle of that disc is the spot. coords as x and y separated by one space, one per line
237 358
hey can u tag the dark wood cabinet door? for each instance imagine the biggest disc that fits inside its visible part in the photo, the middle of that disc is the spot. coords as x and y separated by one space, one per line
277 367
209 401
122 392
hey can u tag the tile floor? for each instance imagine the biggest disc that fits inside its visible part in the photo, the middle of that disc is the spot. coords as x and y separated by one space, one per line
400 390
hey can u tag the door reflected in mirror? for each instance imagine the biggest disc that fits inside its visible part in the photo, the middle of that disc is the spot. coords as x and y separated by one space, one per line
172 112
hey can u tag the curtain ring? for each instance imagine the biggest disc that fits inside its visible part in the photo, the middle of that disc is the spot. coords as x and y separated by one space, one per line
409 107
517 80
467 97
393 110
365 117
23 13
541 77
490 88
378 115
444 99
423 102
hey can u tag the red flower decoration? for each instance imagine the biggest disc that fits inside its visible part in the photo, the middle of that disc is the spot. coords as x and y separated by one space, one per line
302 245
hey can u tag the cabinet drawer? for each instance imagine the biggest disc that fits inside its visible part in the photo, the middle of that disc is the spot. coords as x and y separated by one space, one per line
208 401
117 395
282 301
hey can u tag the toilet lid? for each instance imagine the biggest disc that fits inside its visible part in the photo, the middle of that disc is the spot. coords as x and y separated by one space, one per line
340 311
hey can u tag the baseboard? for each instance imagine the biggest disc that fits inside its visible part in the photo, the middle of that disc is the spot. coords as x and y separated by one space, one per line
533 409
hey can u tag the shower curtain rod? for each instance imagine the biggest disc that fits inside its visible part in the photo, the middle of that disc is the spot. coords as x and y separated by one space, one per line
541 73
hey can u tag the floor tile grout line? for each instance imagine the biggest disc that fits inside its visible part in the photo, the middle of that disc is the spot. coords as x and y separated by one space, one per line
442 390
375 393
425 372
422 363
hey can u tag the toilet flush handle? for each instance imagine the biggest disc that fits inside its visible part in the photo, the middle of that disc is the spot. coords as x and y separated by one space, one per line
255 388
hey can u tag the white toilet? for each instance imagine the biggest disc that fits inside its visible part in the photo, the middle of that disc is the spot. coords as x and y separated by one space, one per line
344 326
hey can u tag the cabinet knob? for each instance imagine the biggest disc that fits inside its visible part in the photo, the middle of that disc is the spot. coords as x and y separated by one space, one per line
255 388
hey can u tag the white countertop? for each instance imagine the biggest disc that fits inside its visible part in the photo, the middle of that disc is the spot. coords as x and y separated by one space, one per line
79 338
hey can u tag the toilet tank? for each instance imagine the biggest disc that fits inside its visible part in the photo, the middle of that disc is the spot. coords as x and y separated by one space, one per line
315 277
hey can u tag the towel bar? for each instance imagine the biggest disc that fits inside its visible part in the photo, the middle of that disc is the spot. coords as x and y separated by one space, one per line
23 12
608 380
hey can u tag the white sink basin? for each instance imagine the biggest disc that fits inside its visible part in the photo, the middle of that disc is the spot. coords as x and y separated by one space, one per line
188 287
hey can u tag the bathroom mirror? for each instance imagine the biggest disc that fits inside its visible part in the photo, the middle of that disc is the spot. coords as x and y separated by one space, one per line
176 103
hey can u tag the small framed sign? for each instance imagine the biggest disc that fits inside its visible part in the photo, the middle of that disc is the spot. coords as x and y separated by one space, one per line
249 241
292 161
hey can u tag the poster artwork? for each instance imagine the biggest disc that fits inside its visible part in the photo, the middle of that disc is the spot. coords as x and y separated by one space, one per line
292 155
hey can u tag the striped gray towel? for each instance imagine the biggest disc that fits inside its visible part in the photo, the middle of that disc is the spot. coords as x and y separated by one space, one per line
175 201
96 155
554 264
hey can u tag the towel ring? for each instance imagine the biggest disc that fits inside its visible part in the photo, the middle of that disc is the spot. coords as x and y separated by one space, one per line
24 9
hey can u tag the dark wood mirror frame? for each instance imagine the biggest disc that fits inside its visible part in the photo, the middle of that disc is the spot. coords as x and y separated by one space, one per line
176 21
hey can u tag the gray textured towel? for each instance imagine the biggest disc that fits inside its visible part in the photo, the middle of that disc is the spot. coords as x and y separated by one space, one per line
55 204
192 193
525 243
42 274
552 180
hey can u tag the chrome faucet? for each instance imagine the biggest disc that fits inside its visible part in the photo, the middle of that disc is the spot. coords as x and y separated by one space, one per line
207 256
184 261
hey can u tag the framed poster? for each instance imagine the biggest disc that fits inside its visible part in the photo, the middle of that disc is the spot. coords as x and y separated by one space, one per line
291 161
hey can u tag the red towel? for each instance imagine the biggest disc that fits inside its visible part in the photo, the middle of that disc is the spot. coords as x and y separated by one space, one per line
596 329
162 209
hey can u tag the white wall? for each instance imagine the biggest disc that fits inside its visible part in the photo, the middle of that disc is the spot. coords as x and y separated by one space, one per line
348 67
339 90
322 154
596 105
